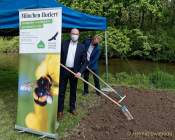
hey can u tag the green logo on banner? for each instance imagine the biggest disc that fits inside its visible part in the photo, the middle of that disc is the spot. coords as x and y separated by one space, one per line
41 44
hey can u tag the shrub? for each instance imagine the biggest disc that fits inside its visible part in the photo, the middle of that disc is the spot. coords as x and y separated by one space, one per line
118 42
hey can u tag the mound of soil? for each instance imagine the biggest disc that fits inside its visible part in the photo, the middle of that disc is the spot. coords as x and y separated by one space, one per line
153 112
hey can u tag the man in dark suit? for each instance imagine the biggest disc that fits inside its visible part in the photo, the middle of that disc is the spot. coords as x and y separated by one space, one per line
73 56
93 54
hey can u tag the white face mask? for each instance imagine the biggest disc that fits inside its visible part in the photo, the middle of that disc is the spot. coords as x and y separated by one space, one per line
74 38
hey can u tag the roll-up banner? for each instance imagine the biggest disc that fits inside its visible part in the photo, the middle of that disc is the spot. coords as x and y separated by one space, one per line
39 63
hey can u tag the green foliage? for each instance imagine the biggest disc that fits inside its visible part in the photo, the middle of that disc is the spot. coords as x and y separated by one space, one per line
162 45
92 7
136 28
139 43
9 45
118 42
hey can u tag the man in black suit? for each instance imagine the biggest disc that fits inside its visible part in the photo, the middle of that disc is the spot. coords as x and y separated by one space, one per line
73 56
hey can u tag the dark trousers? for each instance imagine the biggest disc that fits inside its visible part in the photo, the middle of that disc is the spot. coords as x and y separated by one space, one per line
66 76
96 80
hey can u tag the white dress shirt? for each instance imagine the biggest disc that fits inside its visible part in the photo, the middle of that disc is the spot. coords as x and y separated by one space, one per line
71 54
90 49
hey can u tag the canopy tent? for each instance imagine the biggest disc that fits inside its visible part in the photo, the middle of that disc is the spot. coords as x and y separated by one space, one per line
9 18
71 18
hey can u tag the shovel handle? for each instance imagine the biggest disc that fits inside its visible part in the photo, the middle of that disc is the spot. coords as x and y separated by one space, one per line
92 86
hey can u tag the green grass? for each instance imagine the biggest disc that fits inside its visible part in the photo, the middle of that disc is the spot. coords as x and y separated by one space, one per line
156 80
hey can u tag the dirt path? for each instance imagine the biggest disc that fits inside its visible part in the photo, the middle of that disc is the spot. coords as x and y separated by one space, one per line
154 114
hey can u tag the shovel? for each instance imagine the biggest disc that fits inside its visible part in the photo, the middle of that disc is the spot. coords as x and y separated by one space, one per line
114 91
123 108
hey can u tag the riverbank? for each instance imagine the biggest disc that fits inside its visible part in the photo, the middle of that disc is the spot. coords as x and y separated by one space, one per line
141 74
154 80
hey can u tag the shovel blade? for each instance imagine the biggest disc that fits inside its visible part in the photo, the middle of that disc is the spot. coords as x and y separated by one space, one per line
127 113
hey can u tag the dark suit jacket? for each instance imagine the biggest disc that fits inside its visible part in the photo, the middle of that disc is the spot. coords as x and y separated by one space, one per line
80 61
93 62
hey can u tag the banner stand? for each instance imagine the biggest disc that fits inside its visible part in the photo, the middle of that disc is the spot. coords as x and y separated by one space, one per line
43 134
39 61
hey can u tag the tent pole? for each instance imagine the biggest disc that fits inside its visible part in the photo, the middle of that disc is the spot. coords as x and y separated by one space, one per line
106 57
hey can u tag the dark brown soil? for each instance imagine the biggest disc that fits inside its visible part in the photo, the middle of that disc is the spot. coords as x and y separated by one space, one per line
153 112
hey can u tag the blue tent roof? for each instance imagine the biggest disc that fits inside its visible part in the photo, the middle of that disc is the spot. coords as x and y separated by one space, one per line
71 18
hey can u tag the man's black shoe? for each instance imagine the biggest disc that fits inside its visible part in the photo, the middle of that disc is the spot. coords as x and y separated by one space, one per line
60 116
74 113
